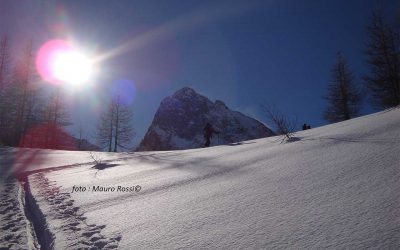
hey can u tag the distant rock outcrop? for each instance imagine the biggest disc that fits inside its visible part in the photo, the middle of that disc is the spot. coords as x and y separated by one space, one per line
180 119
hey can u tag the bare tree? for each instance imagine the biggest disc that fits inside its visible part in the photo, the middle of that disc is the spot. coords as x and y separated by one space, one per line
343 97
5 64
4 60
25 95
55 117
115 128
123 125
105 128
96 157
284 125
383 57
80 138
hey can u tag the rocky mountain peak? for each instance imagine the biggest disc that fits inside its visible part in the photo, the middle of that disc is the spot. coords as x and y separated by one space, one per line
181 117
185 91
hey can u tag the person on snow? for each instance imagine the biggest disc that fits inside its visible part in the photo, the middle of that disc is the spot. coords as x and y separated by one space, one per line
304 126
208 132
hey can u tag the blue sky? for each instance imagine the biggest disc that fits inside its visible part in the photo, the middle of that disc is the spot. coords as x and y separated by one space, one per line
241 52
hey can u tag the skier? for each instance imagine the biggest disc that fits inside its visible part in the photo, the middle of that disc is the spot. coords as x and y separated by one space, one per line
304 126
208 132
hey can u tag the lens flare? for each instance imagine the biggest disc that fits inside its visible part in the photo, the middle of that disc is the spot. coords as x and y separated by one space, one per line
71 67
58 62
125 90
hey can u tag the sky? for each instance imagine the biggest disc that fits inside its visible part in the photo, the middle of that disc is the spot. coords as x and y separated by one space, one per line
245 53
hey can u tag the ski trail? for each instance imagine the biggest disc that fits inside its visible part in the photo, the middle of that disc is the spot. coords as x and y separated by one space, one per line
42 232
69 222
16 231
30 228
25 217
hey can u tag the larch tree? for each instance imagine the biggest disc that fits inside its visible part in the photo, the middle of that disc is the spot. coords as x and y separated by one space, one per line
25 95
383 58
55 118
123 125
105 128
115 129
5 64
4 60
343 97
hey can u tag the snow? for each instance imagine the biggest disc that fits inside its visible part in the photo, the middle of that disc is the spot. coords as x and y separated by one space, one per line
16 231
332 187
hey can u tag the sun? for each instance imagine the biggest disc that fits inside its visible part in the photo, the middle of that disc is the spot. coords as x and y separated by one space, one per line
60 62
71 66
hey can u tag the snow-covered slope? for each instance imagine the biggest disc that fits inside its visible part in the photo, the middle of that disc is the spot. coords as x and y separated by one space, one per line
181 118
333 187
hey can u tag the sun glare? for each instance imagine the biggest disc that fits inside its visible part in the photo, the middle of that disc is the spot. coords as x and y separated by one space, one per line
71 67
59 62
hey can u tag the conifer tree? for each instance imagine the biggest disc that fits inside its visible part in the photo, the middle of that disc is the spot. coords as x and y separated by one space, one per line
5 64
343 97
25 96
383 58
115 130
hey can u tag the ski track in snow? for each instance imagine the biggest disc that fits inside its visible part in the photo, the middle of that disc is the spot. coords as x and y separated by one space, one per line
16 227
73 224
13 229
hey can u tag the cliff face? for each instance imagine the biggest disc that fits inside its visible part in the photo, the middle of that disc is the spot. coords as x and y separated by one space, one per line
180 119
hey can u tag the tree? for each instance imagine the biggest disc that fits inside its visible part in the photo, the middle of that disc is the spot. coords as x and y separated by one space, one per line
80 135
24 93
123 125
4 61
383 57
105 128
344 98
56 117
4 78
284 125
115 128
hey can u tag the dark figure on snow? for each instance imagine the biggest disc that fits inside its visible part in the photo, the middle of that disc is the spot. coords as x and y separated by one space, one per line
305 126
208 132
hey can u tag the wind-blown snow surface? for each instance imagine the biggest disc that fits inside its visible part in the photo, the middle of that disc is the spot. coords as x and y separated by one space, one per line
333 187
